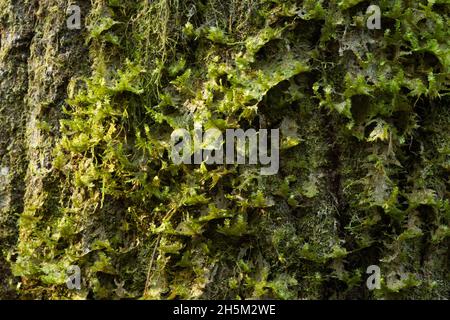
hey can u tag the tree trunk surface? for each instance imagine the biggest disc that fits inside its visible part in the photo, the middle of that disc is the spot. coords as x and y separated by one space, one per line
87 178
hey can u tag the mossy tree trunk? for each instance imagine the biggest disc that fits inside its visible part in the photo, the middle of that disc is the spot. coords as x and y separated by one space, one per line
86 178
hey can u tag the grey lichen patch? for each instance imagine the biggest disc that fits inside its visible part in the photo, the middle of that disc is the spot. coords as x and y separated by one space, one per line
4 181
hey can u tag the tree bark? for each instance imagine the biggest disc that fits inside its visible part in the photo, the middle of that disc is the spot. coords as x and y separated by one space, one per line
86 177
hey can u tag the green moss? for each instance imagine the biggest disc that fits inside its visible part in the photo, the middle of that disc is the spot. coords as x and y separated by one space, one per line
364 157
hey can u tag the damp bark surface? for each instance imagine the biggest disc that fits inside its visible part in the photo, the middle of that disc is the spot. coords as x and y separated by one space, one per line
86 177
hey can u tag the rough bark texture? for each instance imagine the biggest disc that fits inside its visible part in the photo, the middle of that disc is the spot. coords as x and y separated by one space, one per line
86 178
